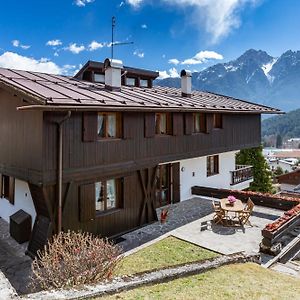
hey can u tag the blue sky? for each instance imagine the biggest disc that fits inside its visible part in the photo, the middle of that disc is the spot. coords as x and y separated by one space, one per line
168 35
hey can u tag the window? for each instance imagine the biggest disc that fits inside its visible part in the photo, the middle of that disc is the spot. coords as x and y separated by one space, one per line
107 194
7 186
130 81
199 122
163 123
218 121
144 83
109 125
99 77
212 165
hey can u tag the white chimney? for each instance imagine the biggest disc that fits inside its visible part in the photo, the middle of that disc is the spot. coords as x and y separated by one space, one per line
113 69
186 83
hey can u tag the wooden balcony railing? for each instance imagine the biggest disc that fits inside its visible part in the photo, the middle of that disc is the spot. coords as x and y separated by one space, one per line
241 173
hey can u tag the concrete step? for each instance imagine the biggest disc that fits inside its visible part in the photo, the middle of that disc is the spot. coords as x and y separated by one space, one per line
286 269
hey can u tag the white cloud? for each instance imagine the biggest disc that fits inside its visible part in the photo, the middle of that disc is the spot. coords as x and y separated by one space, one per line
15 61
144 26
202 57
82 3
135 3
174 61
54 43
94 45
17 44
139 53
218 17
75 49
173 73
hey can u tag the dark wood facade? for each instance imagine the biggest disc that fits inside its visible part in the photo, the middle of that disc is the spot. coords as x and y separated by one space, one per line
30 153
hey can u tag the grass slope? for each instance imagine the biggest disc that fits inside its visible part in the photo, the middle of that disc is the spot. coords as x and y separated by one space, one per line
242 281
167 252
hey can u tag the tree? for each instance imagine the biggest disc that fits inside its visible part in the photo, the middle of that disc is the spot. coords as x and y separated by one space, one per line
278 171
278 141
262 176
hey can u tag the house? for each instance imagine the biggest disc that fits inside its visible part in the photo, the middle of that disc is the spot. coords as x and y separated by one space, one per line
100 151
290 183
287 164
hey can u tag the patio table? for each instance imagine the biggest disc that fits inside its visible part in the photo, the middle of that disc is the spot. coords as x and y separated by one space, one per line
236 208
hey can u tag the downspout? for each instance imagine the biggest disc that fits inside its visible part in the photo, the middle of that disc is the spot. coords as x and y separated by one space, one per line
60 169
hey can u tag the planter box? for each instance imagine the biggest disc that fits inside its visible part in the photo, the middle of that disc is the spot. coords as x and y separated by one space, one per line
259 199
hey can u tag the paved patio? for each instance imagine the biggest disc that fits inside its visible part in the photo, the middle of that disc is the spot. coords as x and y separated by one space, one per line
228 240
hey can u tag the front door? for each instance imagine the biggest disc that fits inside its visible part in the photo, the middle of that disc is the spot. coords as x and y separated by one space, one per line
163 191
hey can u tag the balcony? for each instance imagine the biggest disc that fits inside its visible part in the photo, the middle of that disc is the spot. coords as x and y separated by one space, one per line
241 173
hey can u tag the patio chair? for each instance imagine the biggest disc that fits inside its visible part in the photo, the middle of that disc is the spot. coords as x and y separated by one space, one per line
246 213
219 213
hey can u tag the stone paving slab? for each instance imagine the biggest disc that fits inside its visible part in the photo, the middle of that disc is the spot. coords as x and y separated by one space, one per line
228 240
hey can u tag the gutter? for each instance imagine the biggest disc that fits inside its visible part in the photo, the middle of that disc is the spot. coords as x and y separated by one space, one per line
60 168
163 108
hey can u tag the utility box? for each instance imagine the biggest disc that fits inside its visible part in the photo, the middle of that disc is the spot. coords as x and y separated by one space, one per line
20 226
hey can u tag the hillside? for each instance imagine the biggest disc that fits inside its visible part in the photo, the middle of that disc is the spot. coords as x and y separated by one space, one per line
287 125
254 76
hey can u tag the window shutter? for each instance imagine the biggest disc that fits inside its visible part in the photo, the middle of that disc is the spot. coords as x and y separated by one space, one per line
209 122
176 182
149 125
87 202
128 125
177 124
90 124
189 123
11 197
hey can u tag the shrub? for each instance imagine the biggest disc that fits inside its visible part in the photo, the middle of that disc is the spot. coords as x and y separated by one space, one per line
74 258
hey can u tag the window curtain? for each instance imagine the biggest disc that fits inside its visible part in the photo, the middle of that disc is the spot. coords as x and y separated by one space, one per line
100 131
111 194
112 126
99 196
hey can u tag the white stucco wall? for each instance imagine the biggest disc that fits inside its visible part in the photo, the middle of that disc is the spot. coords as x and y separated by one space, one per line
195 174
23 201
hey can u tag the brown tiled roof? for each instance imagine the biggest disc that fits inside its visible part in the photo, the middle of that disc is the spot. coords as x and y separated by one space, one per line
288 154
50 91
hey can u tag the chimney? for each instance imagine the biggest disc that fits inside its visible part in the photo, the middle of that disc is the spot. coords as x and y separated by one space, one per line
186 83
113 69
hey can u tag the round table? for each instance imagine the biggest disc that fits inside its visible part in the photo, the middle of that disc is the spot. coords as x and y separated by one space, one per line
238 205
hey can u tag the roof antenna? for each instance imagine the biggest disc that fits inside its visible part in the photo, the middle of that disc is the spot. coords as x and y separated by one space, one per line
113 43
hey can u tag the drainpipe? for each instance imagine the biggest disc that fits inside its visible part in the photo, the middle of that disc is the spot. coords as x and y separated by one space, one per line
60 168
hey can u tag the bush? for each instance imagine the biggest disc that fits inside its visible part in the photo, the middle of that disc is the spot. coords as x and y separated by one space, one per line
74 258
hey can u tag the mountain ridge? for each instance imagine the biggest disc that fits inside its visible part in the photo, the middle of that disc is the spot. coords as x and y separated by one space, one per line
255 76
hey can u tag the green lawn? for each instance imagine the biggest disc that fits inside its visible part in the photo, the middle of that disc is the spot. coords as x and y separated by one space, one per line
241 281
167 252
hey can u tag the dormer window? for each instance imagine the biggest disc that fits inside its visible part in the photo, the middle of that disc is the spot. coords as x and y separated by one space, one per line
130 81
144 83
99 78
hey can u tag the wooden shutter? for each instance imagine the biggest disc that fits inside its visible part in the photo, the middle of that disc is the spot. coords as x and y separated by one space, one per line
87 202
90 124
11 197
177 124
188 123
176 182
149 125
128 125
209 122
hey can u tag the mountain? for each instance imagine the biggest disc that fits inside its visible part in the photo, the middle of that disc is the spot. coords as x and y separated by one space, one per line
254 76
288 125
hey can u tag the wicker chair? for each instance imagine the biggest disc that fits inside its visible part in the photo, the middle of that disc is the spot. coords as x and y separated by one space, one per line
246 213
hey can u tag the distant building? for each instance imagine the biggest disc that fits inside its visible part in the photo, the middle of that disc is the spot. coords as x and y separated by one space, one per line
287 165
292 143
290 183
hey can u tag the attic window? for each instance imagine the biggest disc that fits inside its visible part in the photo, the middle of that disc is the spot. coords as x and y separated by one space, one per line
144 83
99 78
130 81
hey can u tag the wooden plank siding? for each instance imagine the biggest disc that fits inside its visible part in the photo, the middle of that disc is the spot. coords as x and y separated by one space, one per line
85 160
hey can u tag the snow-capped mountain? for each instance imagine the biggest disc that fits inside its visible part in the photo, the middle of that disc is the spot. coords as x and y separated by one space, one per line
254 76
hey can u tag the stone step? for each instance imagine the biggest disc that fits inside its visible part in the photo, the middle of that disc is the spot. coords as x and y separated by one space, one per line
285 269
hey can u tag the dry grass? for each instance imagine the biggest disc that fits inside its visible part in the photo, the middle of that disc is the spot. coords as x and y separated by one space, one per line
242 281
167 252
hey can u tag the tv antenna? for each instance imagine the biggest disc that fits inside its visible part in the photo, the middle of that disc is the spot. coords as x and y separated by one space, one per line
113 43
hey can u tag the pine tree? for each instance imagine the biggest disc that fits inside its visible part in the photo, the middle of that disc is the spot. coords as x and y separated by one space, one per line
262 176
278 141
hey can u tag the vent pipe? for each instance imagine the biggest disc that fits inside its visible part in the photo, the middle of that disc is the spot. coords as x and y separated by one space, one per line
113 69
186 83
